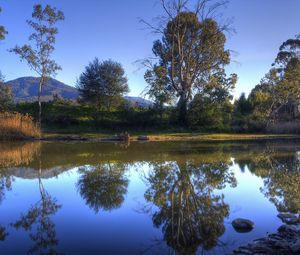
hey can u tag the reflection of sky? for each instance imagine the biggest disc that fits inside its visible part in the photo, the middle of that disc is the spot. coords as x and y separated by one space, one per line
126 229
110 29
246 201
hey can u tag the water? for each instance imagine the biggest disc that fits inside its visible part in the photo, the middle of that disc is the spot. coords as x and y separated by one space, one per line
142 198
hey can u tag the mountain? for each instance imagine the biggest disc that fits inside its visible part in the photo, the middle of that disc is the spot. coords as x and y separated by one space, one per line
26 89
138 101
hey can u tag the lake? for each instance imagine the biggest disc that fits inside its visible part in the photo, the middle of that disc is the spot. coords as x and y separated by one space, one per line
143 198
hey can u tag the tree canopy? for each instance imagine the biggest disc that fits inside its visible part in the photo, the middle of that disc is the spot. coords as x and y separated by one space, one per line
192 51
102 84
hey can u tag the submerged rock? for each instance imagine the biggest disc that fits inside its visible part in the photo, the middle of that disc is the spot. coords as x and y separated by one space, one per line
242 225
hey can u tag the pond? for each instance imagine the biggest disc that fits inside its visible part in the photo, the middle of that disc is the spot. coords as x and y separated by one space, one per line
143 198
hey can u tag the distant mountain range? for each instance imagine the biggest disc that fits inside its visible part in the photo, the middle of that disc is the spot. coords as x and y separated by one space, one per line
26 89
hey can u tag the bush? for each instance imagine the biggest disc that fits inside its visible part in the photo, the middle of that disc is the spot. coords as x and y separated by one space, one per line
14 126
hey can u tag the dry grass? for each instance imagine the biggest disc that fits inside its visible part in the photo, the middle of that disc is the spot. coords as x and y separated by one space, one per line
15 126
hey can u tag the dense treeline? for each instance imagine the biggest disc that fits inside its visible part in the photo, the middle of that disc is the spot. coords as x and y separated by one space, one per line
187 82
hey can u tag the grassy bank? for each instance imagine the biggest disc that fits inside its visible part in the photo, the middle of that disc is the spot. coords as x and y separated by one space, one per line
168 136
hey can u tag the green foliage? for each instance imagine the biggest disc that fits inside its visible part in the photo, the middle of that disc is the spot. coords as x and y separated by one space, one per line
205 114
102 84
211 108
241 114
158 87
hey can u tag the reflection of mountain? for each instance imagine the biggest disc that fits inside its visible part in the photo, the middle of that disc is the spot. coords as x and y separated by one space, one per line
30 173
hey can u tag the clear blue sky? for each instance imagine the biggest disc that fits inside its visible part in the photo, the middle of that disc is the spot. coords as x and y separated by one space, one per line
110 29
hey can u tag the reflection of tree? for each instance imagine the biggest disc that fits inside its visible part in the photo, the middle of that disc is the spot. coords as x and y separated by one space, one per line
37 221
281 174
5 183
188 212
103 186
3 233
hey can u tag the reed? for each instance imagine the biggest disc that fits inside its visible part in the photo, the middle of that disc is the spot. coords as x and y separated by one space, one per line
16 126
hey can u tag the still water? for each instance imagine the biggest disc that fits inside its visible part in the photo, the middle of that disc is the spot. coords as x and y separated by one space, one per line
142 198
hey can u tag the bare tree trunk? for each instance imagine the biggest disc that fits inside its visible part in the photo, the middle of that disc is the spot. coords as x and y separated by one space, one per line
182 108
39 101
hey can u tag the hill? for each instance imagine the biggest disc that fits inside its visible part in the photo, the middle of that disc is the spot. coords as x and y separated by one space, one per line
26 89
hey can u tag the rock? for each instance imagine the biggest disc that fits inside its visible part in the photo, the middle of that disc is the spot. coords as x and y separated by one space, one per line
143 138
286 241
288 218
295 247
289 229
242 225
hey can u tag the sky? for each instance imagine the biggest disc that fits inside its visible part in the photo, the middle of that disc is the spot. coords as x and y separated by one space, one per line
110 29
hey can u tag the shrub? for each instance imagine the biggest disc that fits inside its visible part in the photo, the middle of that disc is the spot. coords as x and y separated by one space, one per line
14 126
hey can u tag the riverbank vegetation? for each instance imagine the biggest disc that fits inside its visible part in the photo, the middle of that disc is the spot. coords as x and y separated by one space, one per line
15 126
188 86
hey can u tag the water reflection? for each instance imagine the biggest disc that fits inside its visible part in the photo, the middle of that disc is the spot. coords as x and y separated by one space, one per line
3 233
16 154
185 184
39 225
189 213
103 186
280 172
37 221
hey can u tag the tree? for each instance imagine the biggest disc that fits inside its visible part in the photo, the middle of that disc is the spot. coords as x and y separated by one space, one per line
241 113
38 54
6 95
211 107
3 32
192 48
157 89
102 84
280 88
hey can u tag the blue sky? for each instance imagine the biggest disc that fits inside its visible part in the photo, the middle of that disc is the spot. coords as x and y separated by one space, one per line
110 29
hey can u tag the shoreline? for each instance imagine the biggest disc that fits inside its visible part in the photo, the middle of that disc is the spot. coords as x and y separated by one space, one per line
172 137
285 241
